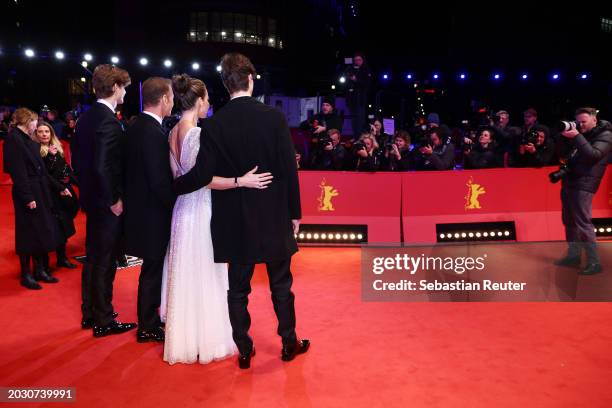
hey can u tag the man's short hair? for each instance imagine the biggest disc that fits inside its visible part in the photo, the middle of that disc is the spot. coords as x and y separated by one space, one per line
531 112
502 112
153 89
105 76
333 132
587 110
235 71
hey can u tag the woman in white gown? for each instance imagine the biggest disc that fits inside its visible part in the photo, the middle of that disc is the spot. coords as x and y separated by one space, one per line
194 287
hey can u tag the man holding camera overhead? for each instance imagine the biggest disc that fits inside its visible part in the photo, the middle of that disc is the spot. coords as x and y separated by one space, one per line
591 142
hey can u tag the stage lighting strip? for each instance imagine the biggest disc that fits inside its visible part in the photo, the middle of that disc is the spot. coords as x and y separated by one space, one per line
330 236
604 230
476 235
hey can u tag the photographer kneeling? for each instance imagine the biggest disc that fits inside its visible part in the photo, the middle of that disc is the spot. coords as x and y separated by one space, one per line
367 154
433 154
581 175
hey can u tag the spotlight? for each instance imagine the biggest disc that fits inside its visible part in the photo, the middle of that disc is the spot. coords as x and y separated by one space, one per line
584 76
471 235
271 41
601 230
462 76
167 63
442 236
29 53
59 55
323 236
486 234
555 76
218 68
435 76
333 87
195 66
223 33
238 35
478 235
385 76
316 236
496 76
87 57
330 236
301 236
258 76
524 76
342 79
463 235
492 233
499 234
308 236
507 233
345 236
457 235
370 105
84 64
415 85
115 60
353 237
359 236
83 79
144 61
408 76
338 236
608 229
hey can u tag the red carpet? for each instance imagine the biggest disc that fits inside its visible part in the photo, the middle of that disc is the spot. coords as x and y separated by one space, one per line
363 354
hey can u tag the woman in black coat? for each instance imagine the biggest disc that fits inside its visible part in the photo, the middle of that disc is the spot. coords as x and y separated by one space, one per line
35 226
65 204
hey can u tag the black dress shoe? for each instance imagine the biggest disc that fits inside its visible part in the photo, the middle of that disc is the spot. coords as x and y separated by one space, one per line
591 269
244 360
568 261
28 281
89 323
42 275
156 334
113 327
291 350
65 263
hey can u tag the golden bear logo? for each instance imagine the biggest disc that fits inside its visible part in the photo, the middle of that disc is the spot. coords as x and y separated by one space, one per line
325 199
474 191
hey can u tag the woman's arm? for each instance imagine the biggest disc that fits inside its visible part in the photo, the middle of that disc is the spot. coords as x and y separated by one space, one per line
249 180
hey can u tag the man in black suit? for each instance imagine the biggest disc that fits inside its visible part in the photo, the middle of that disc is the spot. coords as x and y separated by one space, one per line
251 226
149 200
97 160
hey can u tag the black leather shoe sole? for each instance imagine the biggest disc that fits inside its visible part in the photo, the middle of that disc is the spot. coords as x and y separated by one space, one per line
111 329
147 337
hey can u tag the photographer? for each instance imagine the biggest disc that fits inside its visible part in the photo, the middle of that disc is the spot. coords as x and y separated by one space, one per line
319 124
506 134
368 155
378 133
358 79
535 149
397 154
433 154
585 166
331 155
483 154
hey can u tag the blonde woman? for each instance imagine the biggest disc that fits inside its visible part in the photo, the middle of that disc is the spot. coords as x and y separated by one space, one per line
65 203
35 226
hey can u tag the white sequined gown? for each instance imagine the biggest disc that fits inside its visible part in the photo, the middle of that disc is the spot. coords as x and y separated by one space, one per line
194 287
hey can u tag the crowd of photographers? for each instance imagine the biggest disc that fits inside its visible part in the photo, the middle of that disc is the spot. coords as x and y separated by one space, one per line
431 145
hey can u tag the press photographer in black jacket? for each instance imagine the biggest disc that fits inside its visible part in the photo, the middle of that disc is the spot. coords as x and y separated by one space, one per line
591 142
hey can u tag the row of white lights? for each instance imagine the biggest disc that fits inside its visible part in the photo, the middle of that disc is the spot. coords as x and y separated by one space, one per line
491 234
87 57
602 230
330 236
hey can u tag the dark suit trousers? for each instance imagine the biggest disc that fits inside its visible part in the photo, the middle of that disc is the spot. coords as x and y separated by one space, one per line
149 293
576 213
103 230
280 278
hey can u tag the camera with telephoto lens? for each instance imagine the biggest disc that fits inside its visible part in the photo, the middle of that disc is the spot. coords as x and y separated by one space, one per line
359 146
530 137
325 141
565 126
556 176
